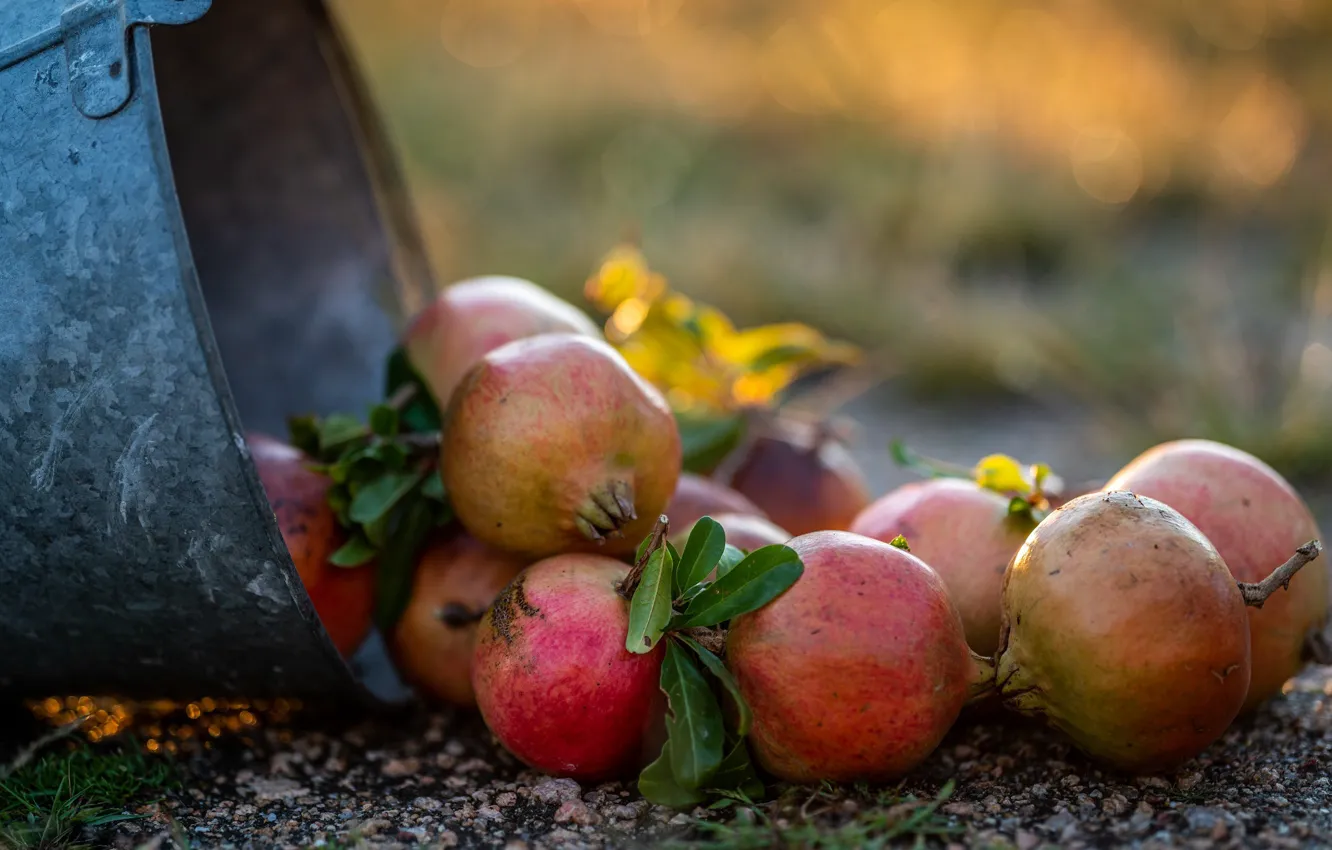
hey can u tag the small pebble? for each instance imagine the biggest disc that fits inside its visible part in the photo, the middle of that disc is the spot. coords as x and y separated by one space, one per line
557 791
576 811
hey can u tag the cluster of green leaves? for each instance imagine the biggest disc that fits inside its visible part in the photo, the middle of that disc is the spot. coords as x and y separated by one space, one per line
885 819
53 799
679 596
386 489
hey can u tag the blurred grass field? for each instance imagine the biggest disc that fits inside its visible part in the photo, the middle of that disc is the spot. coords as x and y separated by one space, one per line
1117 206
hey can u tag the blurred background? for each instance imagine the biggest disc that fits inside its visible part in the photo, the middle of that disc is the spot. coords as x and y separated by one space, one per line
1064 229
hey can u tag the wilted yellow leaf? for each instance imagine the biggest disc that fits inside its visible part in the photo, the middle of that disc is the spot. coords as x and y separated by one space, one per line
624 274
1002 474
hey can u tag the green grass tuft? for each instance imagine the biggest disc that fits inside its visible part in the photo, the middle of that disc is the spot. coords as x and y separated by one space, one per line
52 800
823 822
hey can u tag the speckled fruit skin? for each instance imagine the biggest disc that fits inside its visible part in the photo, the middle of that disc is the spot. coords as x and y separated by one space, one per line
477 315
801 481
1124 629
1256 520
431 653
553 680
965 533
743 531
858 670
539 428
343 597
696 497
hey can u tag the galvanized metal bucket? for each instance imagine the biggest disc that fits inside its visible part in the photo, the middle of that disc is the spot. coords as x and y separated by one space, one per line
201 231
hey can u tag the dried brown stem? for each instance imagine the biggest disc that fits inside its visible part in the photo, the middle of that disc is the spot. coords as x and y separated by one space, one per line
655 541
1256 593
402 396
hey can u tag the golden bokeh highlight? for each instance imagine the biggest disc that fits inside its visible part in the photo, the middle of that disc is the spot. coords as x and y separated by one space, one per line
165 725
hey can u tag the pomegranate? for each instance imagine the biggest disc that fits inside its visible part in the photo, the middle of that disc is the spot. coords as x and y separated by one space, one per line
343 597
965 533
743 531
477 315
554 444
696 496
1123 627
858 670
553 680
456 580
801 478
1255 519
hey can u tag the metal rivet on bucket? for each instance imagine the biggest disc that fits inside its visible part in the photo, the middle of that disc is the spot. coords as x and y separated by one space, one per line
220 161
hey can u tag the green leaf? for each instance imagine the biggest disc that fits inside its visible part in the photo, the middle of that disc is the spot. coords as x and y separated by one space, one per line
762 576
378 497
706 544
433 487
694 726
657 783
304 433
390 453
353 553
338 430
384 420
707 440
421 413
730 558
409 529
377 531
737 773
650 609
900 542
719 672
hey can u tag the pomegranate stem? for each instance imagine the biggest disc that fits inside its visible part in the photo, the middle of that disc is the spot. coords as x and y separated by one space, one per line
655 541
1256 593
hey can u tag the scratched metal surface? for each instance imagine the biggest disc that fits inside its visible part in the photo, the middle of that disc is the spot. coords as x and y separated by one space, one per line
138 555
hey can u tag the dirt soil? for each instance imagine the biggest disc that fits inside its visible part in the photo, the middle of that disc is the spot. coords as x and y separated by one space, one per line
437 780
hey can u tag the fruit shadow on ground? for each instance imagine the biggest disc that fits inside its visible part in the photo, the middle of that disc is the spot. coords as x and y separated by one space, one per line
437 780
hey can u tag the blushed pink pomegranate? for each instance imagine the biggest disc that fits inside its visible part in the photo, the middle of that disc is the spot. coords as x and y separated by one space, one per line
696 496
743 531
802 478
1255 519
552 678
965 533
554 444
477 315
858 670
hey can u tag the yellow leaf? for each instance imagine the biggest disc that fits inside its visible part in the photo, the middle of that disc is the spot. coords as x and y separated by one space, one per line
624 274
1002 474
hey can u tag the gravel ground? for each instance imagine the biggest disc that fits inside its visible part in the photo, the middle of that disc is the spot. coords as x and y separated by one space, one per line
437 780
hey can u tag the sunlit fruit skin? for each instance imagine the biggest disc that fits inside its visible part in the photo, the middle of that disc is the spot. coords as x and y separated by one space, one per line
965 533
858 670
553 680
552 441
802 481
743 531
1256 520
474 316
343 597
1124 628
696 497
456 578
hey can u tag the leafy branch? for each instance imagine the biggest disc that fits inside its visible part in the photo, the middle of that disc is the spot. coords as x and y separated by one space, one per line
685 599
1028 488
386 489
